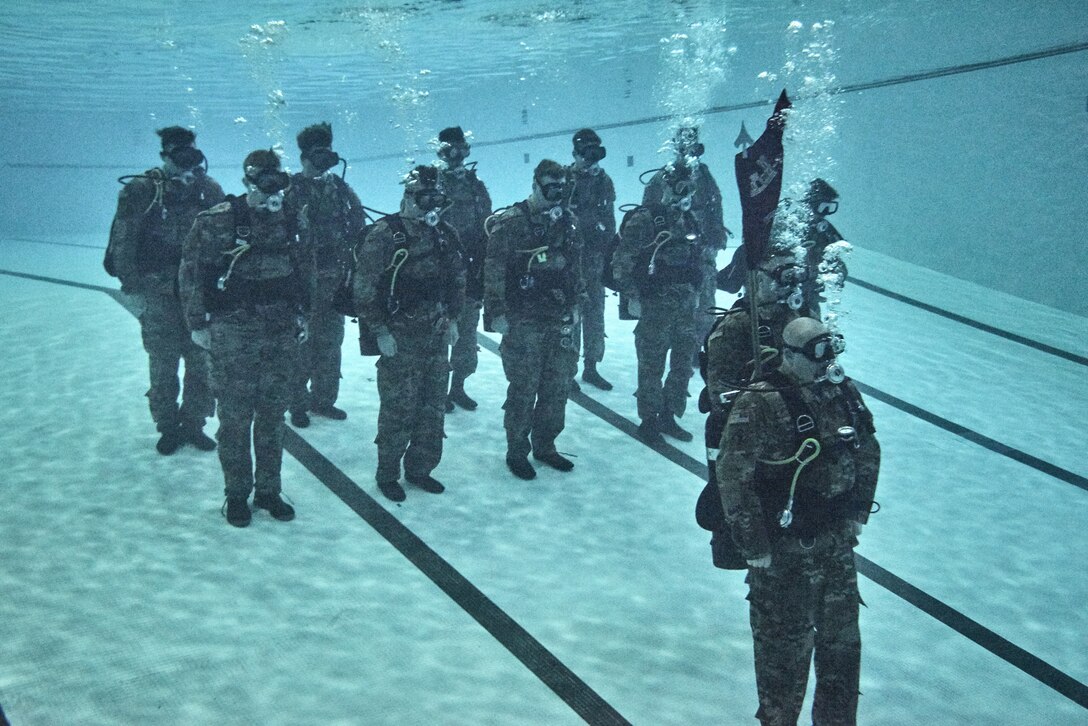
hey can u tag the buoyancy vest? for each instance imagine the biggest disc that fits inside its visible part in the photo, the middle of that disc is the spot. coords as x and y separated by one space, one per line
417 277
227 290
541 278
811 513
672 256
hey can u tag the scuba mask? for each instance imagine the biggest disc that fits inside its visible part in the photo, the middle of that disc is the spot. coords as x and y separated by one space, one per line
323 158
553 192
790 275
270 183
825 209
592 153
185 158
687 143
433 201
821 348
454 154
824 348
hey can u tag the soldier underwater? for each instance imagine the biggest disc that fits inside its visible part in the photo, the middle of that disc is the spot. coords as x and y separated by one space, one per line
246 282
155 211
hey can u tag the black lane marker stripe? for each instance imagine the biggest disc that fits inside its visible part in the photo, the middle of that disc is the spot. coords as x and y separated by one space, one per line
112 292
1034 666
1043 347
538 659
965 626
30 240
976 438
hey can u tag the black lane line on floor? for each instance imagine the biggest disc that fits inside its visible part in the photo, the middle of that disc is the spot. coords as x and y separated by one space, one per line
538 659
976 438
1043 347
965 626
572 690
1034 666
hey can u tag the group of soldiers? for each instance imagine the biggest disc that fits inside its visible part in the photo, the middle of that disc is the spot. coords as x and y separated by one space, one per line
252 292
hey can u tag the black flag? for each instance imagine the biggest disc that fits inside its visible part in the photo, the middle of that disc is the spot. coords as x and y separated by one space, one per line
759 179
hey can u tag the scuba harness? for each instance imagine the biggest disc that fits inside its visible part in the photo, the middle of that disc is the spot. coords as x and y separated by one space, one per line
226 292
787 510
535 281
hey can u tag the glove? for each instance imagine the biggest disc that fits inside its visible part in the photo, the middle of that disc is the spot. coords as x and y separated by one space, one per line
452 333
500 325
387 344
634 307
760 563
202 337
303 330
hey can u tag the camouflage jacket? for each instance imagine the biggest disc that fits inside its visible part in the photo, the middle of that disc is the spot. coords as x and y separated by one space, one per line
706 205
593 201
756 464
533 266
154 214
470 206
237 257
659 248
408 273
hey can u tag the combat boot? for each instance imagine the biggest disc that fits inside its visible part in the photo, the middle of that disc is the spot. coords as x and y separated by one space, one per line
300 419
193 433
426 482
392 490
648 432
236 510
275 505
667 425
554 459
171 440
329 411
520 467
593 378
457 395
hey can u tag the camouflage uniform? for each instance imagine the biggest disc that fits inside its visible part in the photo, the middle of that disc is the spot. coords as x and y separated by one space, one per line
592 201
470 206
254 326
808 597
331 218
706 206
659 266
531 277
153 216
410 282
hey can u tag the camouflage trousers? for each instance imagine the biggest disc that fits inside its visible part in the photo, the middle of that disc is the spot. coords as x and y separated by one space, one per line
167 342
464 355
807 600
539 359
593 311
665 332
412 412
319 356
254 354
